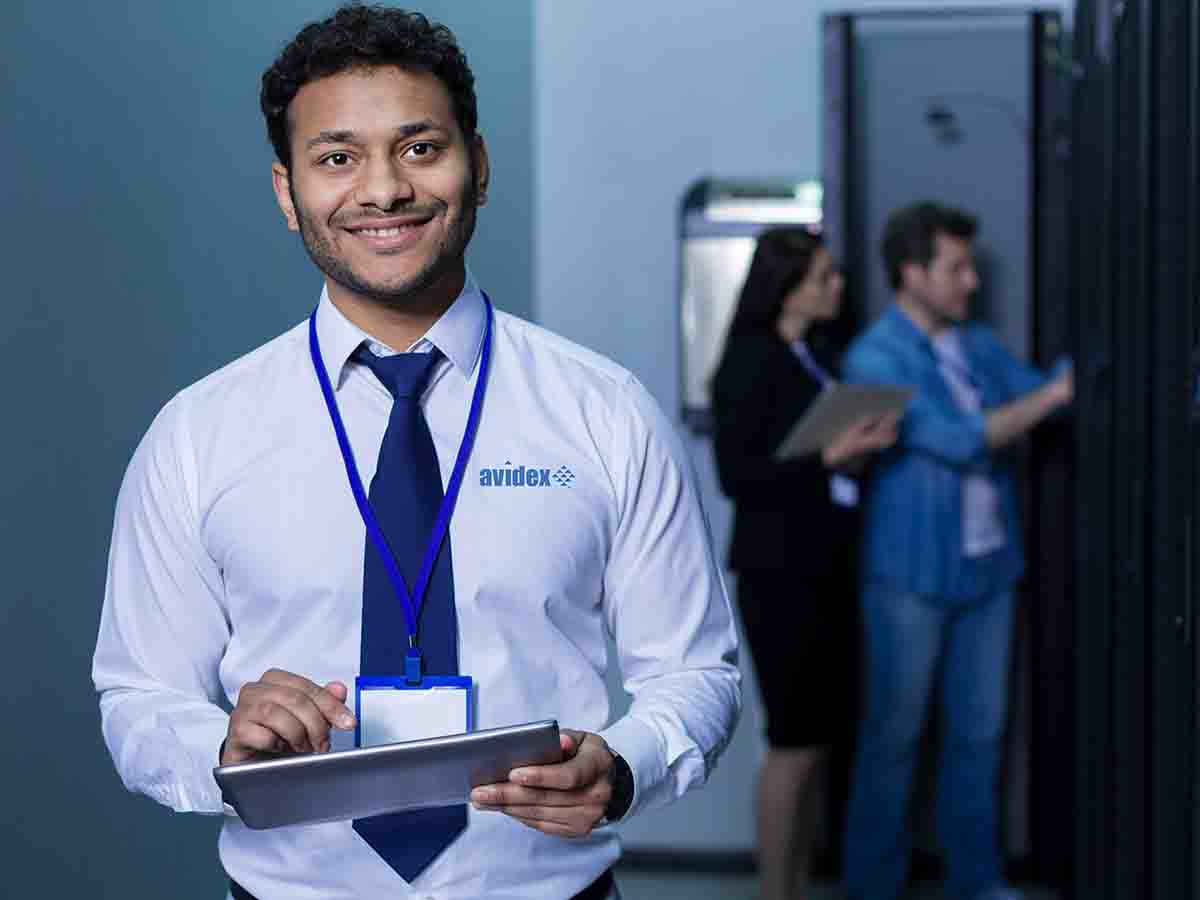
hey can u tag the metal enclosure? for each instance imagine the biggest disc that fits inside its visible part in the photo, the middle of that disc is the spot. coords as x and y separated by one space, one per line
1137 286
719 222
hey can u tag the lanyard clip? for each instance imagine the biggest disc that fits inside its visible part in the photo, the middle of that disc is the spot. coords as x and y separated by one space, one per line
412 666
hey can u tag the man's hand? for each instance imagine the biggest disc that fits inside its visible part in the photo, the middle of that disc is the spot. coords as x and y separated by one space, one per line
284 713
1005 424
1063 387
566 798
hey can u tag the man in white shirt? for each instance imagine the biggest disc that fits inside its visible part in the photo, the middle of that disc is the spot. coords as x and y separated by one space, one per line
233 611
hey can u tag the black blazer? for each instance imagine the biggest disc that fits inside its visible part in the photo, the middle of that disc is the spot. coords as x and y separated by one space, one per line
784 516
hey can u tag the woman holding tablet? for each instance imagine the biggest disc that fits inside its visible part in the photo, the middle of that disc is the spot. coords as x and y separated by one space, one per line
794 535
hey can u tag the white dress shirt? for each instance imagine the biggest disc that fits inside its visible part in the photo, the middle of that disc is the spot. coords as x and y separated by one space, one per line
237 547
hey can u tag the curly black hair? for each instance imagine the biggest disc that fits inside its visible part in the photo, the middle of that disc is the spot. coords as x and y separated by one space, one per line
911 232
361 35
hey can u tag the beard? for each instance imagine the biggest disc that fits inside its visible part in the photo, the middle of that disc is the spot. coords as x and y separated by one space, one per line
945 310
447 258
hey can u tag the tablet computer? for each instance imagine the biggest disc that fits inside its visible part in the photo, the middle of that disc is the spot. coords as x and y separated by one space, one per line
372 781
836 409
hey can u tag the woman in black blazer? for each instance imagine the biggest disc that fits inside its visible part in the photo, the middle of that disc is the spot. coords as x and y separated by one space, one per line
794 534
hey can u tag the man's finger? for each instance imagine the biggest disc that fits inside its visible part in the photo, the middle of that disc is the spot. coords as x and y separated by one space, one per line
249 739
570 740
573 775
281 720
563 815
335 711
577 818
299 704
331 707
580 767
554 828
511 795
315 721
340 691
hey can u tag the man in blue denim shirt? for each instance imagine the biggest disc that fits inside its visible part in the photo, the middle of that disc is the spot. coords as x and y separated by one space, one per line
942 554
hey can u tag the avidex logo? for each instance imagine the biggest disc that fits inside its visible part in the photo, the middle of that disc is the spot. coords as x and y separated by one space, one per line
509 475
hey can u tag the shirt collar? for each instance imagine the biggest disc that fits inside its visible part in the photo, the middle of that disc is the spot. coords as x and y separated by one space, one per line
458 333
906 329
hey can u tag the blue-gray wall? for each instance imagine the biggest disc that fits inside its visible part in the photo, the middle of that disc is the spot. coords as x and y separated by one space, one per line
142 249
635 100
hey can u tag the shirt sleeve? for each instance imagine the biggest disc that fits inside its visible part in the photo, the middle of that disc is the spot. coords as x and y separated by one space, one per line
666 606
1019 377
163 631
952 436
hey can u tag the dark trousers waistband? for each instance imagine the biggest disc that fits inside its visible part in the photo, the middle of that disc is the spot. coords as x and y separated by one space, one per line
597 890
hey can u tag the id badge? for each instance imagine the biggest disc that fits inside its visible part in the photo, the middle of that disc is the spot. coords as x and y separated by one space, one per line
844 491
392 709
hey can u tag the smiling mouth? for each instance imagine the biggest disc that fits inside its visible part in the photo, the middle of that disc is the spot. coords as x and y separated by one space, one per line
395 236
393 231
381 232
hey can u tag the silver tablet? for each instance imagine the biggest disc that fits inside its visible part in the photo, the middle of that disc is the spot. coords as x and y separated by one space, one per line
836 409
354 784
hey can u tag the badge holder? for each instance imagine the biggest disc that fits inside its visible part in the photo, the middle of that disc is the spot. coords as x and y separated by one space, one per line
412 706
843 491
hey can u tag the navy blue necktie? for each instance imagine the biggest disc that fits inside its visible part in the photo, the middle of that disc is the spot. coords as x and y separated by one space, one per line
406 493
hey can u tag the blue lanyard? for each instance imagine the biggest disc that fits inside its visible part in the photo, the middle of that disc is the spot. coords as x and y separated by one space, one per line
410 601
810 363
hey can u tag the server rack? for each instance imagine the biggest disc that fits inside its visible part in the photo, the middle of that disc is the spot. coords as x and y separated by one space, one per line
1137 240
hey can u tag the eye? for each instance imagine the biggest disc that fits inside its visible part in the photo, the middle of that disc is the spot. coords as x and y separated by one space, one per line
422 150
336 160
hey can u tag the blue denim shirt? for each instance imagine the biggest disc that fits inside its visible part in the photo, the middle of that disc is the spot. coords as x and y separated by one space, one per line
914 511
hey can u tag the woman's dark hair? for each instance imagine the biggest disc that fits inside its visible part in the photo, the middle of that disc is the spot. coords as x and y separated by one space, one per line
357 36
781 261
910 235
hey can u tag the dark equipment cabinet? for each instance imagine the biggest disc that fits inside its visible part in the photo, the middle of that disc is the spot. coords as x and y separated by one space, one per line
1135 289
1113 269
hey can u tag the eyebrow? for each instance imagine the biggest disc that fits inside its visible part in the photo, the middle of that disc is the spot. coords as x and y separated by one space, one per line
351 137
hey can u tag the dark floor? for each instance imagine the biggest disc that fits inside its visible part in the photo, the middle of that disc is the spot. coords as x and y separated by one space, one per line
643 884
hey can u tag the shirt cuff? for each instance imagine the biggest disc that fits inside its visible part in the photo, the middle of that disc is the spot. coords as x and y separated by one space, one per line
639 744
173 764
